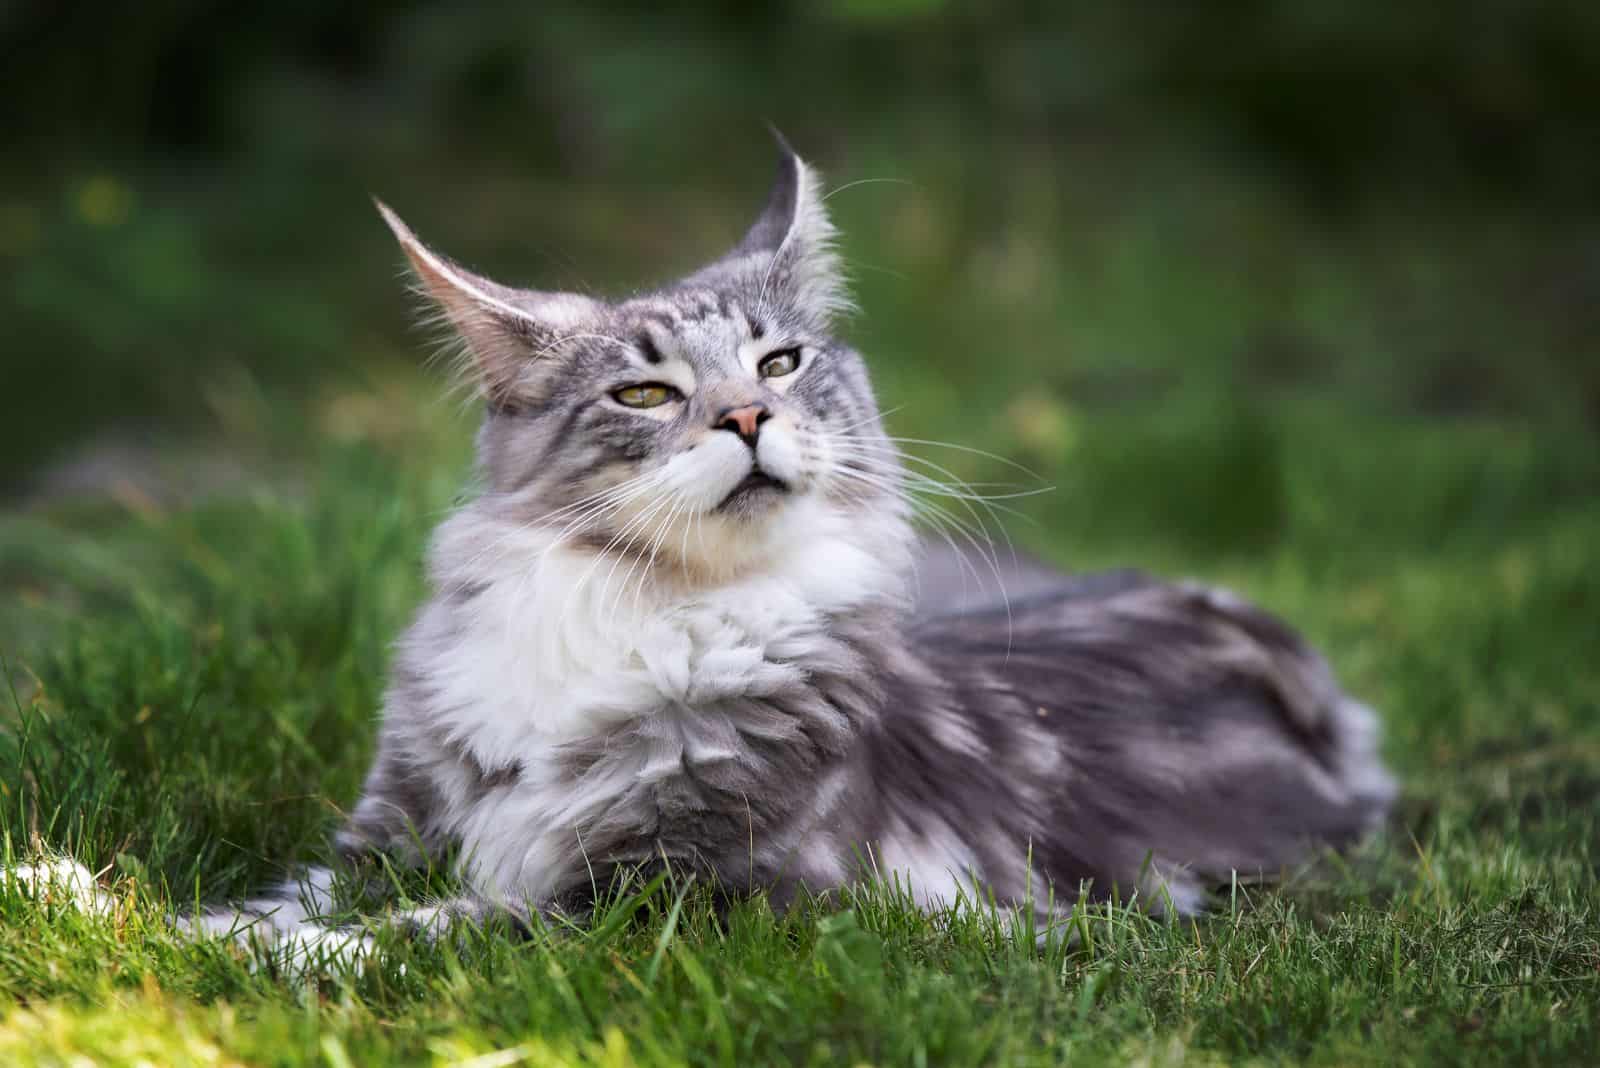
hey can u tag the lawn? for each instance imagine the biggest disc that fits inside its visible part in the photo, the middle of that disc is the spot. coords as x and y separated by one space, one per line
1348 431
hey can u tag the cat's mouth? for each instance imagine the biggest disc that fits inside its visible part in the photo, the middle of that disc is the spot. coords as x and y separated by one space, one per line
751 487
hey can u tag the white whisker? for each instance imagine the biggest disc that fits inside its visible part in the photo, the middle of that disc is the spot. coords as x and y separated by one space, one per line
867 181
996 457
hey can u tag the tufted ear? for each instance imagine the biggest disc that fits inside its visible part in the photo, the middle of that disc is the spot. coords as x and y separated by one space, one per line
795 231
505 330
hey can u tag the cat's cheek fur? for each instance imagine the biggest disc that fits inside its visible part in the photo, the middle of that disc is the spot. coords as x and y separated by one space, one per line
683 489
705 475
681 517
778 451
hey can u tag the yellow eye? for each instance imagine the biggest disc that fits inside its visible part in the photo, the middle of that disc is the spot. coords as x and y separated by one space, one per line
645 395
780 363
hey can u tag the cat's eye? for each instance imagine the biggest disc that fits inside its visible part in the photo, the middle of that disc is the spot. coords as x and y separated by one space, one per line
780 363
645 395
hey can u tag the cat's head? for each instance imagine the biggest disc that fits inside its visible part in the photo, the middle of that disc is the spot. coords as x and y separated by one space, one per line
698 424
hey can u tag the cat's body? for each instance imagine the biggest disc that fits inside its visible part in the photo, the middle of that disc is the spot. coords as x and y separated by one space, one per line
678 627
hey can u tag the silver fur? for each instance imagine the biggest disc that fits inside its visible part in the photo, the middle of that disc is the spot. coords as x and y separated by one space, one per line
635 656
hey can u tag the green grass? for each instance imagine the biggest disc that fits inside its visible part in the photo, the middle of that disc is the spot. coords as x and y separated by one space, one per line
1344 430
197 704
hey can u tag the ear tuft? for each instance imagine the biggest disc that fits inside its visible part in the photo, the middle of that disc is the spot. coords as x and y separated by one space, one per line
794 229
772 226
503 328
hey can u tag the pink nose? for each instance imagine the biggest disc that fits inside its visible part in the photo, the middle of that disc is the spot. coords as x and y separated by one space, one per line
746 421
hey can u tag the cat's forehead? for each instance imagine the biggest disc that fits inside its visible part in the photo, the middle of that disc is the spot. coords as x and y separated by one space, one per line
686 310
697 325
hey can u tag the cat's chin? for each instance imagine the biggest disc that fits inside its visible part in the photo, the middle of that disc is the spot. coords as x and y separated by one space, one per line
756 495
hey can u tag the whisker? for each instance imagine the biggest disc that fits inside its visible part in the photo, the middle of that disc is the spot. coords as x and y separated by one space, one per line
961 448
918 482
965 490
657 525
580 336
590 506
946 528
627 536
867 181
654 548
617 537
841 431
980 538
966 487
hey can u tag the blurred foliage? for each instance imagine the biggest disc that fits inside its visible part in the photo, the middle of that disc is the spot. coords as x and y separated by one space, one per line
1164 221
1490 94
1299 296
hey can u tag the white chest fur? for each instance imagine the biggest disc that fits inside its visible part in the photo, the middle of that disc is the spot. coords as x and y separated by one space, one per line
559 645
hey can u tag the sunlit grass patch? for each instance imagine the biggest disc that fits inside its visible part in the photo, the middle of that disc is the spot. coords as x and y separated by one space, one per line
191 699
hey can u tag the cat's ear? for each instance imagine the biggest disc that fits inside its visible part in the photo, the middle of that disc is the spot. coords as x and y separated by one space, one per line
795 230
506 331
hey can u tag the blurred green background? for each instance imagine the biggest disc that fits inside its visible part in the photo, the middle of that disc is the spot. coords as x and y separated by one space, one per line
1150 250
1300 297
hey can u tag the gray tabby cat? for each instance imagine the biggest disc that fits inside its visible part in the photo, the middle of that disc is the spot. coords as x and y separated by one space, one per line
676 627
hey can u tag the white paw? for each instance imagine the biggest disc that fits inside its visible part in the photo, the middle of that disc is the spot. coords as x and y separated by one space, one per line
307 951
300 950
59 881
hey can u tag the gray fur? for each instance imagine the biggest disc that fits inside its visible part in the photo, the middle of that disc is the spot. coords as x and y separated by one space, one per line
955 576
774 724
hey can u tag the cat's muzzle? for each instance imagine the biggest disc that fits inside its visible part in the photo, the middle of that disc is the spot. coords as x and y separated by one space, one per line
752 490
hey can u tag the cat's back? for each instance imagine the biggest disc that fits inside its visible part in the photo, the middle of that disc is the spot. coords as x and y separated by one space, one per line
1150 658
1154 719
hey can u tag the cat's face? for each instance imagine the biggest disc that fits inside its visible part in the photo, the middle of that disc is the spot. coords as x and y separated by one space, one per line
695 426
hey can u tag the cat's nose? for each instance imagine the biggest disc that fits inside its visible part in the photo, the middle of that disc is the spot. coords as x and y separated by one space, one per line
746 421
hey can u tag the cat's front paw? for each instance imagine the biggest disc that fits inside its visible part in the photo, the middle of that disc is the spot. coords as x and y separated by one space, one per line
300 950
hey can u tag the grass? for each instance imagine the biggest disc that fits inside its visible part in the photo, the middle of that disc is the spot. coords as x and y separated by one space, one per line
197 713
193 678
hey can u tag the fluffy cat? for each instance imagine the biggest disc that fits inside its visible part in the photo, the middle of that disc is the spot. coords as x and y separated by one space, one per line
677 627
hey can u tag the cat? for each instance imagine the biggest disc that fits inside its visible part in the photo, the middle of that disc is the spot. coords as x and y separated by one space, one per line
676 627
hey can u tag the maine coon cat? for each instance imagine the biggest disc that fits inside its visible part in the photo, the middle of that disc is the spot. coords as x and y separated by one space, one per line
677 626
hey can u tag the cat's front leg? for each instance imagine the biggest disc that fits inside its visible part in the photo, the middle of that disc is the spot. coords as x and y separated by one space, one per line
293 926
